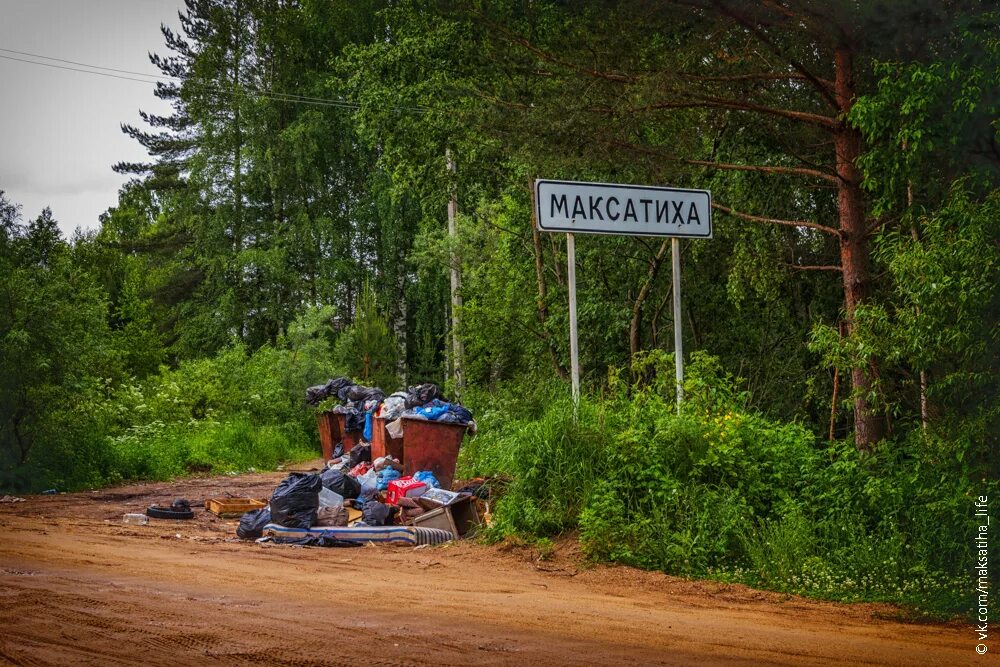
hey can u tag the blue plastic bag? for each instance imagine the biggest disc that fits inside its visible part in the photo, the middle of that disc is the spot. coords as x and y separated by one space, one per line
368 426
428 478
385 476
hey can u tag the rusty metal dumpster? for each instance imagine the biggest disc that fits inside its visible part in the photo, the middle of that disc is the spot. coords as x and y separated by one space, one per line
349 438
331 431
382 443
325 424
433 446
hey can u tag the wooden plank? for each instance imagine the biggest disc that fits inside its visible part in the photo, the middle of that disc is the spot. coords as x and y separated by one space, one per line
233 507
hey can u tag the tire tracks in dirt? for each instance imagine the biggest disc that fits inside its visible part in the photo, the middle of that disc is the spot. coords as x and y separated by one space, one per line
77 587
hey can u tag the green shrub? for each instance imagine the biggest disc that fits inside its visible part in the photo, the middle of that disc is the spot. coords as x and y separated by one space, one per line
159 451
234 411
723 492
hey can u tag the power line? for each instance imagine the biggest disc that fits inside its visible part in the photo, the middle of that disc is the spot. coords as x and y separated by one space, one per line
266 94
281 97
159 76
74 69
73 62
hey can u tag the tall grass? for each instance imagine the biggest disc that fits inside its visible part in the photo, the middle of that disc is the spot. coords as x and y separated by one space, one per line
721 492
158 452
231 412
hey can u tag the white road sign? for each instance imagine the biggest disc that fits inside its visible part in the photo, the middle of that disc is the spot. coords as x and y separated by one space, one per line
635 210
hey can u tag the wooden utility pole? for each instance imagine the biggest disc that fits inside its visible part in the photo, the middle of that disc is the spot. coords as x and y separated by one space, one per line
458 350
924 413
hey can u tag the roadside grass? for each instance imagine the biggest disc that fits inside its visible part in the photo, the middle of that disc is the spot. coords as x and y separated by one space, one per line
723 493
157 451
161 452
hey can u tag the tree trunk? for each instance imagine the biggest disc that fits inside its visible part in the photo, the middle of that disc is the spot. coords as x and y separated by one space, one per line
22 445
399 324
854 252
458 351
541 306
636 324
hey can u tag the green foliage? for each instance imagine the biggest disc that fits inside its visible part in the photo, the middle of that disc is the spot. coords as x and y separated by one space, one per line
230 412
53 337
939 316
723 492
162 451
367 349
930 122
931 169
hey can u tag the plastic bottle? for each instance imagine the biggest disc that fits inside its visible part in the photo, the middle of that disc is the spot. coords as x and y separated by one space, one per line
328 498
135 519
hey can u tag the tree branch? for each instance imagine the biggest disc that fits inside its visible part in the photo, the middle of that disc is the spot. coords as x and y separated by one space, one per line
798 171
880 222
806 267
548 57
775 221
769 169
753 76
708 102
824 89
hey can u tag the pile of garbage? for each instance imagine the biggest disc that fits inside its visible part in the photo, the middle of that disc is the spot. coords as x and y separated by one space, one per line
356 501
359 404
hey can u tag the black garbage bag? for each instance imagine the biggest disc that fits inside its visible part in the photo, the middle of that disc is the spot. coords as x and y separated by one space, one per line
342 483
252 523
359 454
375 513
461 412
296 500
354 420
360 393
422 394
316 395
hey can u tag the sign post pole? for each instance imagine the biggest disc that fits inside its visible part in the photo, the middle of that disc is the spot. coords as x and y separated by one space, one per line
574 345
619 209
675 253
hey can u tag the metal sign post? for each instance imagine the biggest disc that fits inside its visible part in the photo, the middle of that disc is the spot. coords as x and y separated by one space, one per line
574 344
675 258
632 210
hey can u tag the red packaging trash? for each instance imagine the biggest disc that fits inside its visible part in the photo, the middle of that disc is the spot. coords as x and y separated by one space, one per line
361 469
405 487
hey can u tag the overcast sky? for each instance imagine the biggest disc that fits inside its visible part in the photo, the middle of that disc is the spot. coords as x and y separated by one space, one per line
59 130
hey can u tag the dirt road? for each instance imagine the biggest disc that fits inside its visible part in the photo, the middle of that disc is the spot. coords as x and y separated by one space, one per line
79 588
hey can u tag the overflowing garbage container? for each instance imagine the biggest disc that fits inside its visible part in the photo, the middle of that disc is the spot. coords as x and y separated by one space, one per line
433 446
390 466
383 443
329 433
346 433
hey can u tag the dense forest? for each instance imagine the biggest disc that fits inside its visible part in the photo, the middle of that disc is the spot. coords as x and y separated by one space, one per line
292 224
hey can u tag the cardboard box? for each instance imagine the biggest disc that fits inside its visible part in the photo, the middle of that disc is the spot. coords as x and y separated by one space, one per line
460 518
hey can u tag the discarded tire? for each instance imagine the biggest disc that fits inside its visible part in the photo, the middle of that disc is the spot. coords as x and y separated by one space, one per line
155 512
